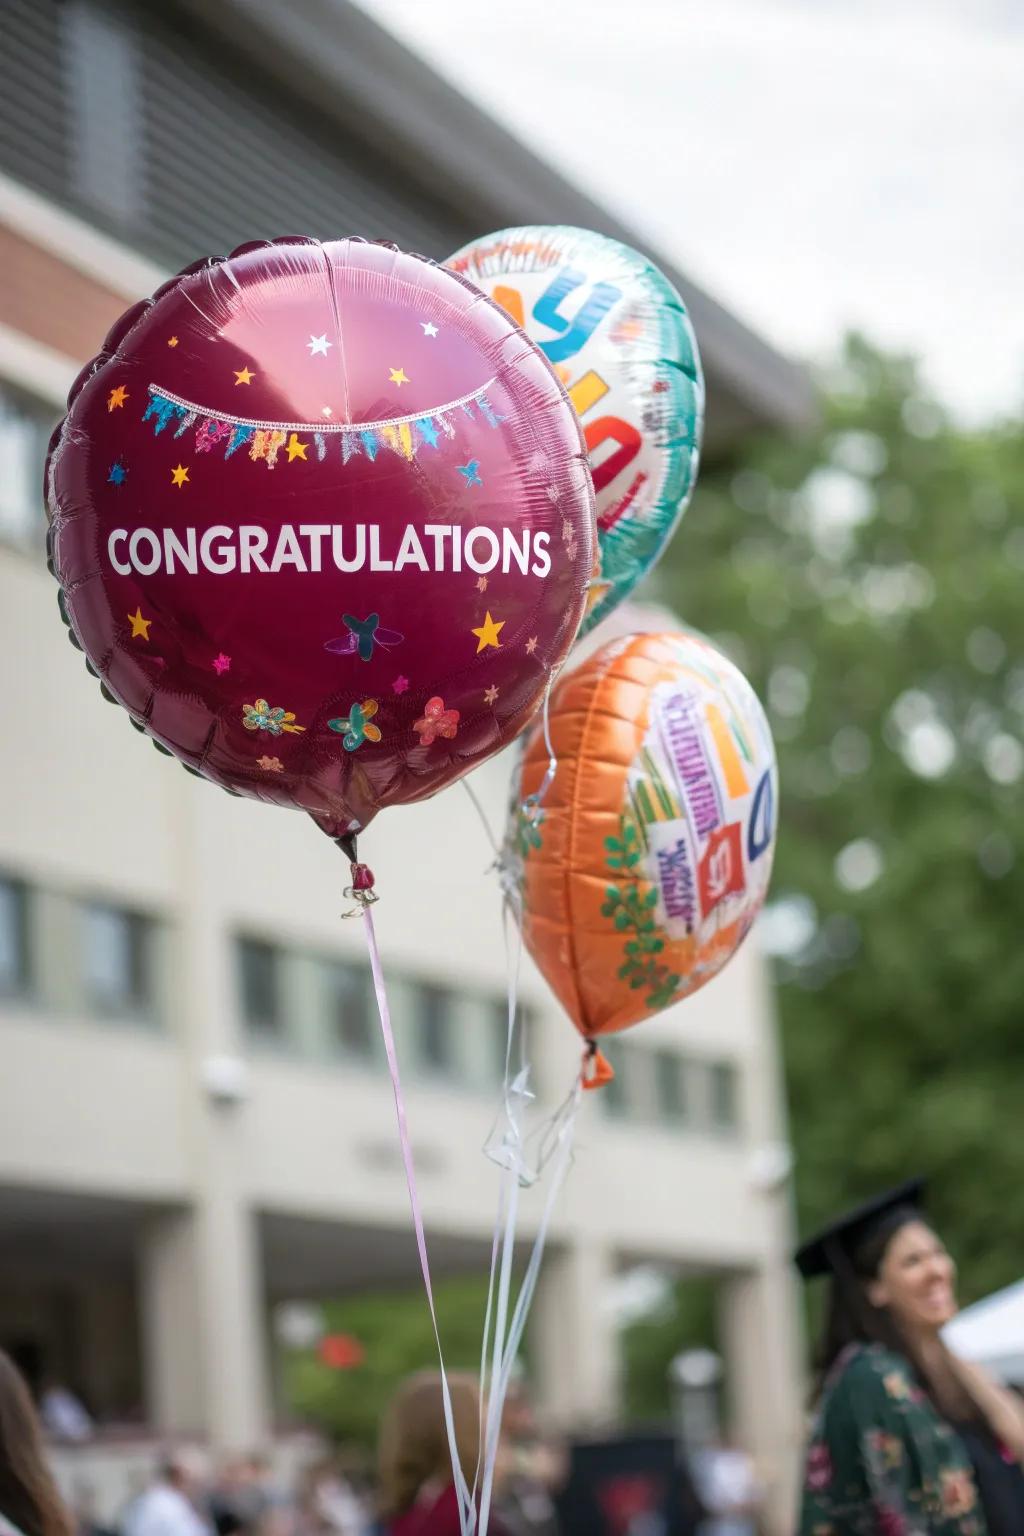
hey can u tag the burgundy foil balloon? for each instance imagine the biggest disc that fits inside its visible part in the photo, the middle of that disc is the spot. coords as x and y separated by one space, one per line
323 522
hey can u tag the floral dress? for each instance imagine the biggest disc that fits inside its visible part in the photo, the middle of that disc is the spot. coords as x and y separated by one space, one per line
881 1461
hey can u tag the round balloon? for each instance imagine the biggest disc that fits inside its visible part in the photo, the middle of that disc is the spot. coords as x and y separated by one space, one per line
645 865
618 335
323 523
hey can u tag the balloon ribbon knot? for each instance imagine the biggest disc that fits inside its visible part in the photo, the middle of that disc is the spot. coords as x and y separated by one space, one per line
596 1069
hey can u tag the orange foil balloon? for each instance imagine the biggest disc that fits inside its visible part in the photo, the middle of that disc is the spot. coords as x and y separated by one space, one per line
644 865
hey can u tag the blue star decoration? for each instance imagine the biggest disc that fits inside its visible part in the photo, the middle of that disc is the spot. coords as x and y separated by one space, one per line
471 472
117 474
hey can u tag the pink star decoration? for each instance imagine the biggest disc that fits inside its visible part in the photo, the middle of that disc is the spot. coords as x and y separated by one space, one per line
399 685
490 694
271 764
221 664
531 645
481 583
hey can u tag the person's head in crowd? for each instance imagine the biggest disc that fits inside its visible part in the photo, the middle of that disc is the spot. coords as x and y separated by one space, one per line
414 1459
187 1469
28 1493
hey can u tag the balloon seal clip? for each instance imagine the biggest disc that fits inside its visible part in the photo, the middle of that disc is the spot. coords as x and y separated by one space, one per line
361 890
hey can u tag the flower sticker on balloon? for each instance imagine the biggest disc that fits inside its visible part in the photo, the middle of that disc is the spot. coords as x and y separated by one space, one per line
363 635
355 727
436 721
260 717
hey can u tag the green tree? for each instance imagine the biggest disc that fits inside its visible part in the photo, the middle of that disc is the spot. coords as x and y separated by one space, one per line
870 581
394 1330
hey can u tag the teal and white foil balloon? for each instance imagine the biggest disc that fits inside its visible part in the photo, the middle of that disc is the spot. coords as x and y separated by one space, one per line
618 335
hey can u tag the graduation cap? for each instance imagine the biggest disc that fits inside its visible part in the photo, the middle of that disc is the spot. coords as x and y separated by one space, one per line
834 1247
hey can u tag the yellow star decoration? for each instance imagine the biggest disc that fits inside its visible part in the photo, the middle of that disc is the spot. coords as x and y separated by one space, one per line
117 397
180 476
488 633
399 376
242 376
140 626
172 341
296 448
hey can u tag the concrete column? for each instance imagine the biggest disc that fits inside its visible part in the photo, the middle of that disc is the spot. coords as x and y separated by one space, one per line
760 1336
761 1317
237 1388
225 1257
203 1337
174 1367
574 1350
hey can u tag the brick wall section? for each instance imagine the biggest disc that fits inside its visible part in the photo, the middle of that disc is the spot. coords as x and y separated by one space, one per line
44 298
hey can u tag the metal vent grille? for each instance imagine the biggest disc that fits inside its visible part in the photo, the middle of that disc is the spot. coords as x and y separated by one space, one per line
226 160
218 151
33 101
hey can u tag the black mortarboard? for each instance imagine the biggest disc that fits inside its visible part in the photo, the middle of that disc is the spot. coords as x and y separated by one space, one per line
846 1234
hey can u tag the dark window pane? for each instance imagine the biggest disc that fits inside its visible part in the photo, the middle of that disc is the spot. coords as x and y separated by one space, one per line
116 959
14 964
434 1008
670 1085
353 1025
724 1109
260 982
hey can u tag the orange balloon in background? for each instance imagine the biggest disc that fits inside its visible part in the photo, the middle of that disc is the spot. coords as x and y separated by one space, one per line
642 870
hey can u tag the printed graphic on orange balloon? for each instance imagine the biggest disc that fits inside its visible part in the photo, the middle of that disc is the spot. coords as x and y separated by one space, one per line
648 863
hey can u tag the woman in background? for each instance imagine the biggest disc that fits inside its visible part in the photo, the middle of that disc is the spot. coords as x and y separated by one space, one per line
908 1440
417 1487
29 1502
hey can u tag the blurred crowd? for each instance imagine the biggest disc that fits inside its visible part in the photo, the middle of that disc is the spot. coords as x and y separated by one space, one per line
409 1492
541 1487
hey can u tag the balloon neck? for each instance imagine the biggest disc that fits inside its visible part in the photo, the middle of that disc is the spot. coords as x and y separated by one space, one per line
361 890
596 1070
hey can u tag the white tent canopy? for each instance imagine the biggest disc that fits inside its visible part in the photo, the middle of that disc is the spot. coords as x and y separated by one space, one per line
991 1333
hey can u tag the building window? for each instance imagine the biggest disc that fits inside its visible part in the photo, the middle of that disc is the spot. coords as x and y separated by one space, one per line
434 1007
724 1096
117 960
670 1086
25 427
352 1023
14 957
259 976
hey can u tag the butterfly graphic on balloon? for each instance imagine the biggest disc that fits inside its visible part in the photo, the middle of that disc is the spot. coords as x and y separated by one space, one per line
363 635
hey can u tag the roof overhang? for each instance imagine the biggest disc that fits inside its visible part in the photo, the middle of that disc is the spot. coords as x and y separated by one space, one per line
338 59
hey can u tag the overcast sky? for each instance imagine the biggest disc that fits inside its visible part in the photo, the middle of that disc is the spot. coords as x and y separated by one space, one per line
814 164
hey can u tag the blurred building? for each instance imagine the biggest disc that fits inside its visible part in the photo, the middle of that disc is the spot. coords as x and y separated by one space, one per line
195 1123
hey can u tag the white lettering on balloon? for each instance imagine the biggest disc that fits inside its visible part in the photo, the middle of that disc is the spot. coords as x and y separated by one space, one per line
312 547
